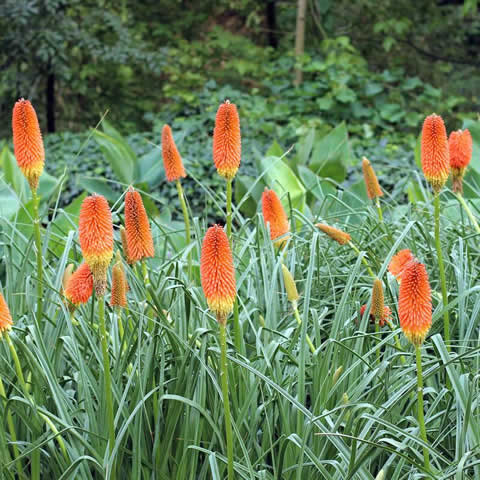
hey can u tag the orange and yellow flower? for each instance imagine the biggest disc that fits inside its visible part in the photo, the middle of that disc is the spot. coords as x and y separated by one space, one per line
172 160
275 216
137 227
399 262
460 146
217 273
227 145
79 287
119 284
123 239
334 233
371 180
387 314
5 316
96 238
378 306
415 303
27 142
434 150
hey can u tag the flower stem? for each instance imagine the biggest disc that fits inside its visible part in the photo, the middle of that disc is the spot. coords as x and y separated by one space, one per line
229 211
226 401
364 260
38 247
377 333
446 320
299 321
468 211
421 420
186 219
107 378
379 210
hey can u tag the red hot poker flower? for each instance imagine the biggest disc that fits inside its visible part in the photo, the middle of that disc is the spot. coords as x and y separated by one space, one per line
227 141
137 226
172 161
79 287
399 262
460 146
275 216
387 313
5 316
27 142
218 273
371 180
119 284
96 238
435 156
339 236
415 303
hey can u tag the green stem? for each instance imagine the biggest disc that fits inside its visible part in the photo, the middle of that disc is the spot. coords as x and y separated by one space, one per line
226 401
421 420
299 321
364 260
379 209
107 378
38 246
186 219
377 333
229 211
13 434
468 211
446 320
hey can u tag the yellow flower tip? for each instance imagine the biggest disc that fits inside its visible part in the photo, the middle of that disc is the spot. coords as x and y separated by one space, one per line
378 306
336 374
371 180
290 287
339 236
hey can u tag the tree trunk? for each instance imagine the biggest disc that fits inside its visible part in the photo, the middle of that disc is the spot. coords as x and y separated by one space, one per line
271 15
51 102
300 37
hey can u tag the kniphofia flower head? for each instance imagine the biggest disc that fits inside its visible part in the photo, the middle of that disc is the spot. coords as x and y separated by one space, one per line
27 142
79 287
460 146
275 216
96 238
415 303
334 233
119 284
5 316
217 272
123 239
227 146
172 161
378 305
137 227
434 150
387 313
399 262
371 180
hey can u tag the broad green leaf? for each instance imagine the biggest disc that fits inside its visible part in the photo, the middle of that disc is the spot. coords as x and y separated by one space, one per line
9 202
94 185
243 186
13 175
150 168
474 128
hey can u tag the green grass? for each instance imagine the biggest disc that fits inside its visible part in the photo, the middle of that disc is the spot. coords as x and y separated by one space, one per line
290 419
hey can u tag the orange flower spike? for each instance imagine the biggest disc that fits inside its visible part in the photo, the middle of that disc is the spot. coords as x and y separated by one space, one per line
371 180
387 314
79 286
460 146
119 285
172 161
227 146
399 262
275 216
96 238
415 303
137 227
27 142
334 233
5 316
434 150
217 273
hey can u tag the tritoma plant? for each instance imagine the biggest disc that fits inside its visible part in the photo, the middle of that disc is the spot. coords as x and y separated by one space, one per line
271 349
